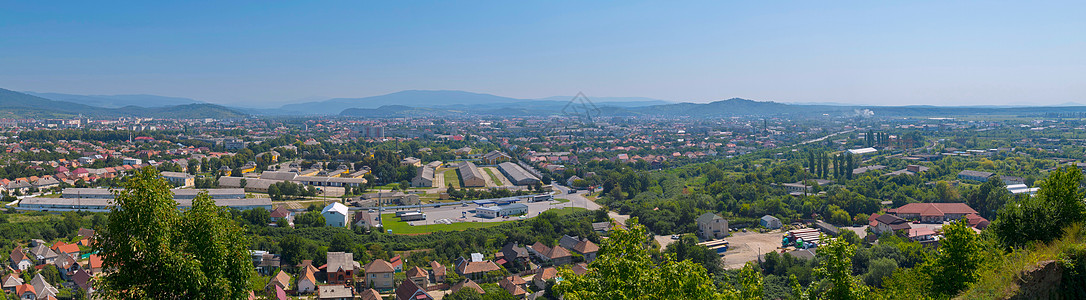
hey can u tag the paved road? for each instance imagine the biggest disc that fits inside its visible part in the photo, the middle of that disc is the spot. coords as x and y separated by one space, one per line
825 137
576 199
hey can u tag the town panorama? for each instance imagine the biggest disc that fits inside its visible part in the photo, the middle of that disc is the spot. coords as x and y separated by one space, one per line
485 150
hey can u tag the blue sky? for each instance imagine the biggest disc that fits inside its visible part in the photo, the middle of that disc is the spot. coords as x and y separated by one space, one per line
264 53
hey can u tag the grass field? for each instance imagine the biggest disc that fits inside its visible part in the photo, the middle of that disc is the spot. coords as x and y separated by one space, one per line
497 180
451 177
391 222
560 200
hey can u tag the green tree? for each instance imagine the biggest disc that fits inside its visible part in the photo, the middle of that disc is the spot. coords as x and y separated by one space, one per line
294 249
51 274
465 294
954 267
687 248
625 269
989 197
878 270
836 269
160 252
1043 217
309 219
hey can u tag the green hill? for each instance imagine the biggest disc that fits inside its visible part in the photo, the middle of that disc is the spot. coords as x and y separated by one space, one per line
20 105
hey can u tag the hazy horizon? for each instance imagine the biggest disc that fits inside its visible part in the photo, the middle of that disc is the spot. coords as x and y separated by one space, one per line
267 54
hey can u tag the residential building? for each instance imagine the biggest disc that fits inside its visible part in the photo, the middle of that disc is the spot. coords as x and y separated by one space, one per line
887 223
19 260
515 255
26 292
419 276
369 294
281 281
514 285
335 215
546 274
437 272
307 280
367 220
42 254
408 290
556 256
335 292
379 275
711 226
341 267
475 269
43 289
582 246
10 282
467 284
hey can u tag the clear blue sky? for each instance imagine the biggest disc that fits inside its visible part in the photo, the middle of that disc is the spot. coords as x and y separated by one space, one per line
263 53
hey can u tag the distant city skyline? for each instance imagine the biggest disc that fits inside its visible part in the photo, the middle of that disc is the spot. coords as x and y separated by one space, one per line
260 54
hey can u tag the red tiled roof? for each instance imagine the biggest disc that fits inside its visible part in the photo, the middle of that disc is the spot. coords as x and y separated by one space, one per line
95 261
477 267
468 284
586 246
379 266
438 268
934 209
546 274
416 272
23 288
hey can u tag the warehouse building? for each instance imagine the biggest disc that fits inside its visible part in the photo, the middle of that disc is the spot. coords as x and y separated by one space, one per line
498 211
516 174
104 205
470 176
189 194
425 177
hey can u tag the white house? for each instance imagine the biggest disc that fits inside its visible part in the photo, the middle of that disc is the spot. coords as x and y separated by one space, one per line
335 214
307 282
19 260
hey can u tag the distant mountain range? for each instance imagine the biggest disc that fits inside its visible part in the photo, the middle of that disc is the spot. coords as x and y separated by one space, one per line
456 103
453 100
21 105
117 101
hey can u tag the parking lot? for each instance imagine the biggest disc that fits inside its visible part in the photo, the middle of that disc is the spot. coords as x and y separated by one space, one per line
460 213
746 246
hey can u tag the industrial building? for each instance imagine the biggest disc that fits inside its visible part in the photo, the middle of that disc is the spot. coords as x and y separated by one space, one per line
178 194
498 211
516 174
470 176
104 205
425 178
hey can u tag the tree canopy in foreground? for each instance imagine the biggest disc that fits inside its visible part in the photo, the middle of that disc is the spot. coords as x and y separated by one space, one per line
160 252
